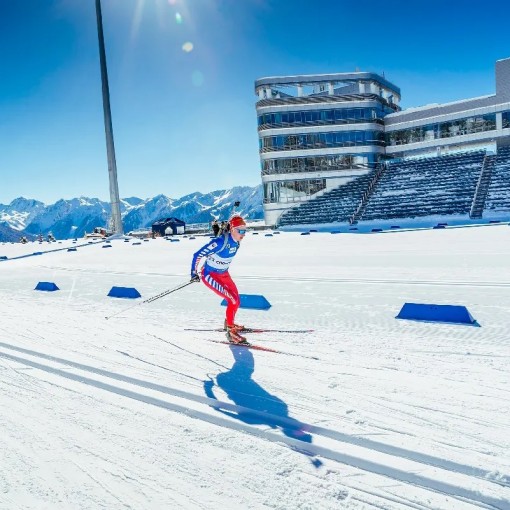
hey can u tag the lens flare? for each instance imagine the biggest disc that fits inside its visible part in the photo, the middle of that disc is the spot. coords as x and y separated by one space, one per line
187 47
178 18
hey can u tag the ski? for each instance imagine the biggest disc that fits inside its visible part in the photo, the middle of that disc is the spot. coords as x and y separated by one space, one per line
254 330
262 348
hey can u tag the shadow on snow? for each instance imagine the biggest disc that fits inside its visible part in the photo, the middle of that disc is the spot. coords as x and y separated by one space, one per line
268 409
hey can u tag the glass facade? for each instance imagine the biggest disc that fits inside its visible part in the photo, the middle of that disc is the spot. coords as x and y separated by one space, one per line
292 191
506 120
327 162
320 140
323 117
428 132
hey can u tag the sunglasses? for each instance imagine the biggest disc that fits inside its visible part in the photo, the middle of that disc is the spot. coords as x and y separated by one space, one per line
241 231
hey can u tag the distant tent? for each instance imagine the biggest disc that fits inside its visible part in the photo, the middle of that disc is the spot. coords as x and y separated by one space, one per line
168 226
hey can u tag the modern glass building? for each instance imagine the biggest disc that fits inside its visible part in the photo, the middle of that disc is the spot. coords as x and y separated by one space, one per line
318 133
477 123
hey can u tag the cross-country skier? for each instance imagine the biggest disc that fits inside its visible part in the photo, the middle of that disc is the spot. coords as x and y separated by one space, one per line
218 255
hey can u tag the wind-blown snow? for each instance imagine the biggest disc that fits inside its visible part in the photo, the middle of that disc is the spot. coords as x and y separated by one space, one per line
364 412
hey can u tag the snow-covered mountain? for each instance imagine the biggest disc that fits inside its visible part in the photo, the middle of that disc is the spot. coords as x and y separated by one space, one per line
8 234
196 207
71 218
20 212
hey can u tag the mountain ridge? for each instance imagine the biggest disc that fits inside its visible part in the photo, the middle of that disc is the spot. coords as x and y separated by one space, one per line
76 216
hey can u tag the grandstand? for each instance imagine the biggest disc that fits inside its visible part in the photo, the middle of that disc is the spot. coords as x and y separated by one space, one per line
334 206
498 195
425 187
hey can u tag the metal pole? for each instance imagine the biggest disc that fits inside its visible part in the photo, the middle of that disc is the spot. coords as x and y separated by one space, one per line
110 148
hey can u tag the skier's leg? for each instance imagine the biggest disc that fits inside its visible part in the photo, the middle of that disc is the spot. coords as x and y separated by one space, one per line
235 301
222 284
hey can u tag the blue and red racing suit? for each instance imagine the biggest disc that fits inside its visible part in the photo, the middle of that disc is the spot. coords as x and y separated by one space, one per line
218 254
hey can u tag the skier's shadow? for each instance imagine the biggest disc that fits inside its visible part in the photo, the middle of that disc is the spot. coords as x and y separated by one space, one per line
243 391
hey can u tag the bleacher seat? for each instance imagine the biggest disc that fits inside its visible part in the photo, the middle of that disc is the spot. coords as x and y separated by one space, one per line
498 195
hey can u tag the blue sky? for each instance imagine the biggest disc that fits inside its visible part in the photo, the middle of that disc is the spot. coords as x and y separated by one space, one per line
185 121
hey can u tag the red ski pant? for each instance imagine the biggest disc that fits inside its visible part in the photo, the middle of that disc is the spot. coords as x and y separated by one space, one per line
223 285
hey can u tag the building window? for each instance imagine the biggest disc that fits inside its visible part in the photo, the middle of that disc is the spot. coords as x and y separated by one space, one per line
292 191
469 125
506 120
322 117
331 162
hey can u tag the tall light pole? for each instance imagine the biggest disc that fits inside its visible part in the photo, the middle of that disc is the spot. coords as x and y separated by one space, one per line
110 147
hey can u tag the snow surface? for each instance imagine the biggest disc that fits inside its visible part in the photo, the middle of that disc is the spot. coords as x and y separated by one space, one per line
365 412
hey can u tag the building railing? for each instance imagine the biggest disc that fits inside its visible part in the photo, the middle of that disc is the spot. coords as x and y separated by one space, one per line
482 188
367 194
336 122
280 101
312 169
320 145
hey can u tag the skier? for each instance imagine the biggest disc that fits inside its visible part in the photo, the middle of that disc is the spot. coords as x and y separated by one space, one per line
215 228
218 254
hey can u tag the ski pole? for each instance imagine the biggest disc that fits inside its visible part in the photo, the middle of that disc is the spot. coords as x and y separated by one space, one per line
151 299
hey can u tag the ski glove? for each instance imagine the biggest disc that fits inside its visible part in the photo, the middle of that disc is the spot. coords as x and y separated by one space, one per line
195 278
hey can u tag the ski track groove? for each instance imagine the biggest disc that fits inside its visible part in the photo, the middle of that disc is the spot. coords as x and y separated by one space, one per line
455 491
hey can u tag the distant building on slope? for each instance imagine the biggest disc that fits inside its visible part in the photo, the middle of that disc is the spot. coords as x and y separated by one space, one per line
332 135
168 226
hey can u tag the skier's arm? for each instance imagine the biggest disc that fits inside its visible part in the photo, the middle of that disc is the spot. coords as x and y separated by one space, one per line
212 247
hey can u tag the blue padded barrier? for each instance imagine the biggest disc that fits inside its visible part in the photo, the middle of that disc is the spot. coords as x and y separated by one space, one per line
106 246
72 249
377 230
136 243
253 301
451 314
175 240
124 292
46 286
395 226
438 227
305 233
255 233
3 257
268 235
276 232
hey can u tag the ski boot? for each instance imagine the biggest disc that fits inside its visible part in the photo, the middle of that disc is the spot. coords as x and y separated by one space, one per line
234 336
238 326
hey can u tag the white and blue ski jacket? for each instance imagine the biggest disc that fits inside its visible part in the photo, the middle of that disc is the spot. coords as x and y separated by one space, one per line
218 254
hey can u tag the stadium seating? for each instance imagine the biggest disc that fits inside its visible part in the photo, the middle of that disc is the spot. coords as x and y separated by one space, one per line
429 186
498 196
334 206
441 185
